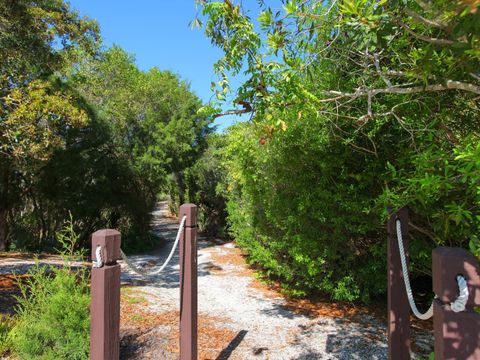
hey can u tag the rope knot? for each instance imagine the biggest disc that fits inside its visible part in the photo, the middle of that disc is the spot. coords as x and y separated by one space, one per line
461 301
98 255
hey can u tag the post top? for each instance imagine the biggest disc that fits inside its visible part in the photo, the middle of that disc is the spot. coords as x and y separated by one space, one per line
188 206
190 211
447 263
106 232
109 240
452 252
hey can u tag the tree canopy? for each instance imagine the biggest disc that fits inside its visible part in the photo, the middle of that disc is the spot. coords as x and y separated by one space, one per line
84 130
358 106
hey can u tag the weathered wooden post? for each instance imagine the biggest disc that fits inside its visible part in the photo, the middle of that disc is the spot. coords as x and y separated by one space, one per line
398 307
105 297
188 283
457 335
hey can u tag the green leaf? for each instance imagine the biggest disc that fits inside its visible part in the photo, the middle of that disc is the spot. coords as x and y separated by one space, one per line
290 7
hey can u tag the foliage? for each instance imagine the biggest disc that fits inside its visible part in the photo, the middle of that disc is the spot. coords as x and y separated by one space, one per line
297 216
205 181
84 131
36 116
6 325
69 241
357 106
38 39
154 126
374 48
52 318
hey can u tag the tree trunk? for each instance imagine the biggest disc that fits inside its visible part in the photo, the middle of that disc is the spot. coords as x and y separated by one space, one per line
3 229
178 177
4 203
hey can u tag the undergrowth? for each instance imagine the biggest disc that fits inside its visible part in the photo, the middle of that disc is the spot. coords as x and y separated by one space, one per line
52 318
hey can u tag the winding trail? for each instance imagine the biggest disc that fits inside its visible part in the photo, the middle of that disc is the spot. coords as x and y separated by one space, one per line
239 317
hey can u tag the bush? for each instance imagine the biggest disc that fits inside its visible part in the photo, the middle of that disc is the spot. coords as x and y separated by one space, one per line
302 207
6 326
311 211
204 181
53 320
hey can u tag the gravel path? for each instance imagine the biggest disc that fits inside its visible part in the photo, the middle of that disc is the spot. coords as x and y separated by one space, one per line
242 318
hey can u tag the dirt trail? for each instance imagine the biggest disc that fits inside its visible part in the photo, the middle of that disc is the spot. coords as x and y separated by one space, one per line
239 318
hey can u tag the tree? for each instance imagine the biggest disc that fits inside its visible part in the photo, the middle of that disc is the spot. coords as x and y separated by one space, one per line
85 131
356 106
392 48
37 39
152 116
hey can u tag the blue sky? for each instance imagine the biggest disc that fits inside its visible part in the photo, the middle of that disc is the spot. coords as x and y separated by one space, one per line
157 32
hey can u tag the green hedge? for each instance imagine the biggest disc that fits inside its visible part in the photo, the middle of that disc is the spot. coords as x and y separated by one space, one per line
310 208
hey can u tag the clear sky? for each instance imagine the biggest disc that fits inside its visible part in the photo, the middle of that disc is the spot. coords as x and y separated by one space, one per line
157 32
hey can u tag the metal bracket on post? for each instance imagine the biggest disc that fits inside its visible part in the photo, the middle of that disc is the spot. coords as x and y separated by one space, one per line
188 283
398 307
105 297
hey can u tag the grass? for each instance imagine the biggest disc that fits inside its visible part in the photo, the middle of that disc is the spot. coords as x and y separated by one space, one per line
132 296
6 325
138 318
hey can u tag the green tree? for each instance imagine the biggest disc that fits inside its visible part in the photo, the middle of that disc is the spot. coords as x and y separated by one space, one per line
152 116
37 39
356 106
85 131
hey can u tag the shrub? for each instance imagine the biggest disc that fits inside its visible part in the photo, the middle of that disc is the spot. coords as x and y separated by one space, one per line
52 320
6 325
311 212
52 317
204 182
302 207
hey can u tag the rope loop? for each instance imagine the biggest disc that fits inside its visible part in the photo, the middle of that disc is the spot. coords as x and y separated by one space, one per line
143 272
461 301
98 255
457 306
429 313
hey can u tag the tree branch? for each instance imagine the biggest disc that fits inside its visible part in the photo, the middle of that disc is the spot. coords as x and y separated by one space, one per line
431 40
422 231
247 108
449 85
426 21
376 61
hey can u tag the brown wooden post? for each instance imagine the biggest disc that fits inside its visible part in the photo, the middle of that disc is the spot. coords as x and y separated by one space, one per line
398 307
188 283
105 297
457 335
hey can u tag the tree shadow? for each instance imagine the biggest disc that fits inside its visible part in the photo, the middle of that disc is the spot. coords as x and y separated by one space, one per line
227 352
280 310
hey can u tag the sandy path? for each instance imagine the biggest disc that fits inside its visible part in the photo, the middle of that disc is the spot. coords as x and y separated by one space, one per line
239 318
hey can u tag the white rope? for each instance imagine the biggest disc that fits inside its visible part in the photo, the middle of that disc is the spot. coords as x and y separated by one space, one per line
429 313
456 306
144 272
461 301
98 255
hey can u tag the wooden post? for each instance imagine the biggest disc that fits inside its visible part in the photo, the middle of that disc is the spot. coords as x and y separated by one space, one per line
457 335
398 307
105 298
188 283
